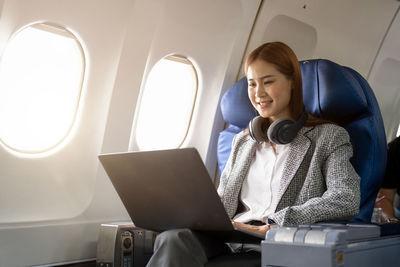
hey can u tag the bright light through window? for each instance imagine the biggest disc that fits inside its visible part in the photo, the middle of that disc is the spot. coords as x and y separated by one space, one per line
41 76
167 104
398 132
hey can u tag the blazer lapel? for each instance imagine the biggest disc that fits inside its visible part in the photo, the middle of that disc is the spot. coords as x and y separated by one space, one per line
297 151
242 160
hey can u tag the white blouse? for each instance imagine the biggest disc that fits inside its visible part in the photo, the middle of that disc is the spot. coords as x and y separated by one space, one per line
260 187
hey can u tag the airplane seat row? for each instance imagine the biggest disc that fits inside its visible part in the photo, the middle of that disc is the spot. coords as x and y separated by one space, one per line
334 93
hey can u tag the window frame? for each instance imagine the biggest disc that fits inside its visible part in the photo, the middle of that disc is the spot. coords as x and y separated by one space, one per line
58 29
180 59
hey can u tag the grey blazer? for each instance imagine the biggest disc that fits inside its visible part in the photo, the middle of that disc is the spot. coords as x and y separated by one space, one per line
318 184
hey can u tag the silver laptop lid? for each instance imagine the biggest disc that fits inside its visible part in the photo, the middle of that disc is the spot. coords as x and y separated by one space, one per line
166 189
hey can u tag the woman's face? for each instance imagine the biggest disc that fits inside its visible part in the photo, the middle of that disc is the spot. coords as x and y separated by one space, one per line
269 90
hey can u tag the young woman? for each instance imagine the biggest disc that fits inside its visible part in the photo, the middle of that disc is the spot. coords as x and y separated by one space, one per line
307 180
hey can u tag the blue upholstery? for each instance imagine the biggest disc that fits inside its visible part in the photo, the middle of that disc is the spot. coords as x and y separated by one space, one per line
237 111
335 93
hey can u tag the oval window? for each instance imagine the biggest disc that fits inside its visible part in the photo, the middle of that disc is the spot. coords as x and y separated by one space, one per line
41 78
167 104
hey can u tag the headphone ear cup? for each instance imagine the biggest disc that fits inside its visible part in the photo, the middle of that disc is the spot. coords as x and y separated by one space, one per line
281 131
257 129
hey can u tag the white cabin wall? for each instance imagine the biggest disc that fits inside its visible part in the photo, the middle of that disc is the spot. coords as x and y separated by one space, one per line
347 32
385 78
140 29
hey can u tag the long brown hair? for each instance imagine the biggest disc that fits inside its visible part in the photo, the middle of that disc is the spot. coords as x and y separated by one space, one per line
286 62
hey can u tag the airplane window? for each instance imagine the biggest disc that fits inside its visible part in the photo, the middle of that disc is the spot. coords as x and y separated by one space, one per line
167 104
41 77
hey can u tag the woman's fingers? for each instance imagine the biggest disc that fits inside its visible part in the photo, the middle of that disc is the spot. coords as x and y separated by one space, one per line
261 230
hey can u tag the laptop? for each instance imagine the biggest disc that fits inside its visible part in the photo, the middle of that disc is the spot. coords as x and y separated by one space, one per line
170 189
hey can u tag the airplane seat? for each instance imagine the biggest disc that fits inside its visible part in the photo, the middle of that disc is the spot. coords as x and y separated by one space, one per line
334 93
342 95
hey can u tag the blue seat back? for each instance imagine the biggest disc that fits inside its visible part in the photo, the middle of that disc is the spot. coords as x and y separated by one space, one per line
334 93
237 111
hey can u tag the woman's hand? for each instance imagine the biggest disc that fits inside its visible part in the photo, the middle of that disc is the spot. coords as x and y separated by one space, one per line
260 230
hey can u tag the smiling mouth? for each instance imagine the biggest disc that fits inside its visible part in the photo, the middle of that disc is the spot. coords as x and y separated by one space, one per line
264 104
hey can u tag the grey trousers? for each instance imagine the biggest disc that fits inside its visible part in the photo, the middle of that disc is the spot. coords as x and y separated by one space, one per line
182 247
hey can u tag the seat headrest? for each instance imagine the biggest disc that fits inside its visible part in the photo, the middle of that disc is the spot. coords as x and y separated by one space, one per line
331 91
236 107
